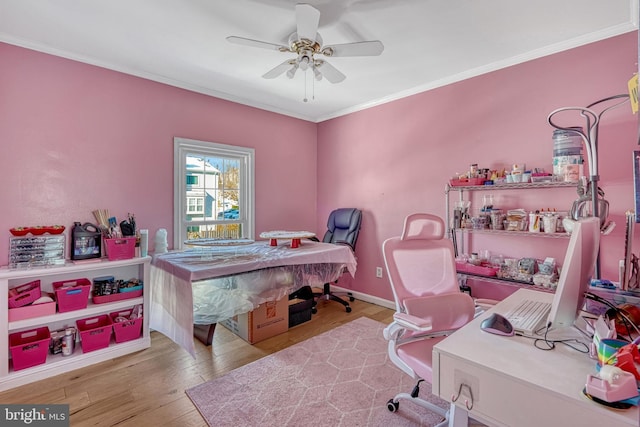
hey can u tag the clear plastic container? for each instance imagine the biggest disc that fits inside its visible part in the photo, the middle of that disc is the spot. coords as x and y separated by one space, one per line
567 155
567 143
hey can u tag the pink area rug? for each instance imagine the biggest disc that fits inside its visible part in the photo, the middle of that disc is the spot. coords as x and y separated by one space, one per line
342 377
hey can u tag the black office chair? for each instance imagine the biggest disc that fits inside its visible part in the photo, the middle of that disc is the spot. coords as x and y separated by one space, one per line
343 227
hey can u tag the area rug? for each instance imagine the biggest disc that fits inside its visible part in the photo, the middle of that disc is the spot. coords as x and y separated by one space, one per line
342 377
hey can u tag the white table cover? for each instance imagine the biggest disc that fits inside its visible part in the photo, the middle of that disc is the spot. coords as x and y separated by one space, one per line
209 284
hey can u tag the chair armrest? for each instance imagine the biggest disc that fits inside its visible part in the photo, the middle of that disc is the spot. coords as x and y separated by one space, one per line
445 311
344 242
414 323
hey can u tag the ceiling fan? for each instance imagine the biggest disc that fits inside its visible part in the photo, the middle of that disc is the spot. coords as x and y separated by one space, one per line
306 43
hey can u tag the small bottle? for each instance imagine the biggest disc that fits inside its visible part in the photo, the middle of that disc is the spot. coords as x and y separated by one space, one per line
68 342
144 242
534 222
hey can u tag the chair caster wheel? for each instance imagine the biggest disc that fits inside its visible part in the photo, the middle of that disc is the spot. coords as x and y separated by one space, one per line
392 406
352 299
314 310
348 309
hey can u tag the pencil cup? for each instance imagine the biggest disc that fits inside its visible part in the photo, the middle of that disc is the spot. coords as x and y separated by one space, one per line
607 349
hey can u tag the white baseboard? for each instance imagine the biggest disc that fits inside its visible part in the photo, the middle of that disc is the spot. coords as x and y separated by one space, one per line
366 298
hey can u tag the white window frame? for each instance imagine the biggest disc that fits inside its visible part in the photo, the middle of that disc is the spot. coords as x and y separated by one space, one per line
246 157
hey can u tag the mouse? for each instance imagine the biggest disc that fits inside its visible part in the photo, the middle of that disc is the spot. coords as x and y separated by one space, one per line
497 324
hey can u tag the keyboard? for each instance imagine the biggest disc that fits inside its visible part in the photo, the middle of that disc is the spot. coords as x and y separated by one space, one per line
528 316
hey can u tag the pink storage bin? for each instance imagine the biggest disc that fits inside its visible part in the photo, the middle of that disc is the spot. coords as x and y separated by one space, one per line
101 299
466 182
465 267
29 348
95 332
31 311
123 248
26 294
72 294
126 331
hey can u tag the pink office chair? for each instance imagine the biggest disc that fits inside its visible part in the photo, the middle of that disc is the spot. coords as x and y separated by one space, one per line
429 303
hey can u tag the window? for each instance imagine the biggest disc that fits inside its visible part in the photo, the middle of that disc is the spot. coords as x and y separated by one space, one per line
195 205
213 191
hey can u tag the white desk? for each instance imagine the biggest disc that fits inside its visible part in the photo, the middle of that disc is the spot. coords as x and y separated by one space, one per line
515 384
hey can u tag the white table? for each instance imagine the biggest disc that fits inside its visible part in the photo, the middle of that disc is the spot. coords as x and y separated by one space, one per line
235 280
515 384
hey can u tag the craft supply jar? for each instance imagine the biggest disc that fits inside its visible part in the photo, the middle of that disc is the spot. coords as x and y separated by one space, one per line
550 223
479 222
497 219
68 342
567 154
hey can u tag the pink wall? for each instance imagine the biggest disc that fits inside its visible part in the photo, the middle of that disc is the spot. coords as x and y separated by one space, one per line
75 138
395 159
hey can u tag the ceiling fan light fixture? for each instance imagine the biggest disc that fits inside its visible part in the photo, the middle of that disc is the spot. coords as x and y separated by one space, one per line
304 60
292 71
317 74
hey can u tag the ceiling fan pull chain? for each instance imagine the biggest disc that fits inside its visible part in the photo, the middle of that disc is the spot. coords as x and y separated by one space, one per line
305 86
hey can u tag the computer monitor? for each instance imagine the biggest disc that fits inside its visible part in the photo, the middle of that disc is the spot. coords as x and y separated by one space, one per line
575 273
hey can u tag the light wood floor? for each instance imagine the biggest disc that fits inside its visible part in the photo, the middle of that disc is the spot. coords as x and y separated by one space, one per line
147 388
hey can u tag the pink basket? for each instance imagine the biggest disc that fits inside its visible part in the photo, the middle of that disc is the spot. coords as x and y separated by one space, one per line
31 311
128 330
465 267
466 182
29 348
97 299
95 332
72 294
123 248
26 294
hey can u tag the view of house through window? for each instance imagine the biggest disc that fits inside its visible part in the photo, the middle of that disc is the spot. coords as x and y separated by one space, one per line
214 191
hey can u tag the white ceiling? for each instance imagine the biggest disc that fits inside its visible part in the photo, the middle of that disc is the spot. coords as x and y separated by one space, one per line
428 43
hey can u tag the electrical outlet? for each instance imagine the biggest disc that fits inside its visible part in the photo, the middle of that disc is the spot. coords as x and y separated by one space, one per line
379 272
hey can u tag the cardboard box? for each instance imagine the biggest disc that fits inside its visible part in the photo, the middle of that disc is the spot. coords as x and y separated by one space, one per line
266 321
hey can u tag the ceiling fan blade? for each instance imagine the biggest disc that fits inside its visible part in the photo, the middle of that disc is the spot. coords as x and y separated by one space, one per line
307 18
330 72
368 48
257 43
279 69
